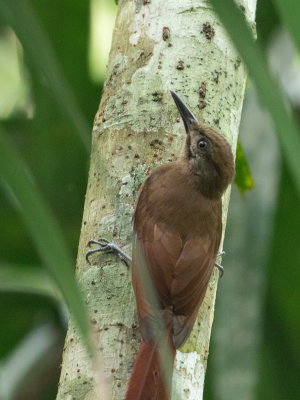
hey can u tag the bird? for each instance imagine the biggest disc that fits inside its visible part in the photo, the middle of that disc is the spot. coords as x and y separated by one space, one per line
177 227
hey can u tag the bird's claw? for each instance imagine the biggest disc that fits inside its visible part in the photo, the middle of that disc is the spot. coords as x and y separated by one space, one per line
219 266
107 247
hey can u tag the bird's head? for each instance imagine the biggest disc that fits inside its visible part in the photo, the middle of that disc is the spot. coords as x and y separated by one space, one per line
207 153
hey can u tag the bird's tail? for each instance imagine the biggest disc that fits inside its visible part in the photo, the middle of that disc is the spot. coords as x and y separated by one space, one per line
151 377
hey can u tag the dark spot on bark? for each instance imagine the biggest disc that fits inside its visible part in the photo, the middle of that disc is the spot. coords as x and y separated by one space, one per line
202 104
157 96
166 33
202 90
144 57
216 77
208 31
180 65
237 63
156 144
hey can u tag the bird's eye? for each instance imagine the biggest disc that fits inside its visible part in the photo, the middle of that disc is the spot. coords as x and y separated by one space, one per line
202 144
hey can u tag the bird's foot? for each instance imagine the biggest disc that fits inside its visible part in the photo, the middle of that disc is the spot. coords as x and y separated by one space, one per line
108 248
219 266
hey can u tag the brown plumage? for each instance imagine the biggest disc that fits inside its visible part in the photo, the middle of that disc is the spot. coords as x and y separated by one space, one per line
177 226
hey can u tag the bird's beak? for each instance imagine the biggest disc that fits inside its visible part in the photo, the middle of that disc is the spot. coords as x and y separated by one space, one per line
186 115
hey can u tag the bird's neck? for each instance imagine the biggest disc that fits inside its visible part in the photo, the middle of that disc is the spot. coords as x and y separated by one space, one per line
208 183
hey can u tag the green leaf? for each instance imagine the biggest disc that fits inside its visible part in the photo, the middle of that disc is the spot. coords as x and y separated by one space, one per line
38 49
28 359
44 230
266 86
27 279
243 177
289 11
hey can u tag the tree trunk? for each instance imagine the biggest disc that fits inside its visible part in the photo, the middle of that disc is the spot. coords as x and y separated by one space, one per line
157 46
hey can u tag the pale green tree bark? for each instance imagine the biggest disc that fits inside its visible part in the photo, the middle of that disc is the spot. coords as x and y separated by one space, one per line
157 46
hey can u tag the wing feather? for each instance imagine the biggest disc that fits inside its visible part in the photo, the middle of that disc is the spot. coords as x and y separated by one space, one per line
179 270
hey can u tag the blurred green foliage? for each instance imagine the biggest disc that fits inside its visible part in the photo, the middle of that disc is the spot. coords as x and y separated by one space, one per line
243 178
54 153
266 85
280 351
45 132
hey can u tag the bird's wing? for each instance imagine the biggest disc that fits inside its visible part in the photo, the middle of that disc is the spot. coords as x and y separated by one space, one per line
179 272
